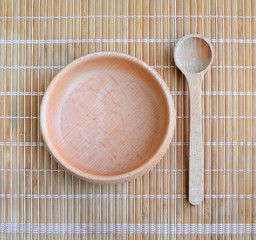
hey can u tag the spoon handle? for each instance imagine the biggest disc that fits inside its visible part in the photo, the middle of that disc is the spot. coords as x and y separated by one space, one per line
196 160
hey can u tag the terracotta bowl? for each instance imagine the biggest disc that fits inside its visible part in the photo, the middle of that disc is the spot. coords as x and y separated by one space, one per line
107 117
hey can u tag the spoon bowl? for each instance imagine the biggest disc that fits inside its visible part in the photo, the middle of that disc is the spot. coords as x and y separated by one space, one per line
193 54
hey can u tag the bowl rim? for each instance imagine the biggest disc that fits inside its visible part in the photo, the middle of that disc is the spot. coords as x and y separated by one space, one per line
155 156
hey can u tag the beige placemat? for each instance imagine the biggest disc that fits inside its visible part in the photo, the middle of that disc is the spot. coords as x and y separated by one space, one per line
38 200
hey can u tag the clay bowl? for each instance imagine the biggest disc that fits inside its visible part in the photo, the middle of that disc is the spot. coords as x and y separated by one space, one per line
107 118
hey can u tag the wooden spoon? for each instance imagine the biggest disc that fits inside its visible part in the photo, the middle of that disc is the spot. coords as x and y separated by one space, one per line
193 55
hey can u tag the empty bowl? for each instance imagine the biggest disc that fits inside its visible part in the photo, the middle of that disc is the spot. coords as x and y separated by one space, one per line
107 117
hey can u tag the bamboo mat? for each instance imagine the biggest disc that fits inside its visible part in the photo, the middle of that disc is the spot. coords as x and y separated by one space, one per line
39 200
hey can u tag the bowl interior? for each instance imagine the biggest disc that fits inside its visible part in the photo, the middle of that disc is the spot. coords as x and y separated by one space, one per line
105 116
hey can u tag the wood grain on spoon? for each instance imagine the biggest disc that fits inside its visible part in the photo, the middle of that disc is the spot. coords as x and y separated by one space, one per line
193 55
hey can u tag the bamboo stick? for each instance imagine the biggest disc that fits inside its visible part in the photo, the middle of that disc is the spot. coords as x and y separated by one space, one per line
228 112
172 150
240 126
188 212
41 85
164 73
247 112
137 53
15 123
157 61
145 57
214 128
221 112
152 175
55 61
234 124
2 110
206 28
62 62
22 134
179 110
7 112
253 191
